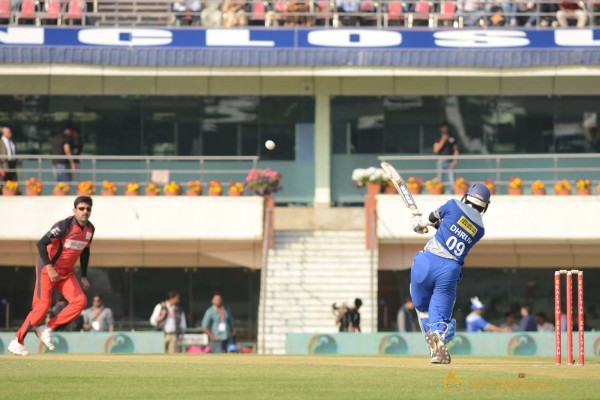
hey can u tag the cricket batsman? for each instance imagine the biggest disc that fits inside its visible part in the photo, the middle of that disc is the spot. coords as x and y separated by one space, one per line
59 249
437 269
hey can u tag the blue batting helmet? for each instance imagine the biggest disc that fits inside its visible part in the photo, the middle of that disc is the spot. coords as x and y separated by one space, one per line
479 195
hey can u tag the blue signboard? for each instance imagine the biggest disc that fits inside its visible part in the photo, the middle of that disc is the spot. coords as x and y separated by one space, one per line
123 37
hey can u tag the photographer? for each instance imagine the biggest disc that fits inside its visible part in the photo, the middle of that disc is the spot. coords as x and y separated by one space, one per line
348 317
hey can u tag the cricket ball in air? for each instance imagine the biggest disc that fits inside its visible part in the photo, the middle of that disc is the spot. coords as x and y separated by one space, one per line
270 145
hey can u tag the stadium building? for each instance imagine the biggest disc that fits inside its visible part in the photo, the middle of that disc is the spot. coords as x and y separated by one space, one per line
157 101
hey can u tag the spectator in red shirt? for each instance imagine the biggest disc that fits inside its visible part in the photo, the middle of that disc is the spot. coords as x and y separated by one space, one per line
59 249
571 9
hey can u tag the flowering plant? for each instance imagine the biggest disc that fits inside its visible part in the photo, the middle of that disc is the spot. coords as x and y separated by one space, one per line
132 187
236 187
172 188
414 183
195 186
515 183
152 189
461 184
11 185
538 185
87 188
263 181
434 184
362 176
489 183
62 187
562 185
583 184
34 185
109 187
215 187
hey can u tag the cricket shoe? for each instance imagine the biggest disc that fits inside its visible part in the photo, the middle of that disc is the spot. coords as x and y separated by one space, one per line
45 335
17 348
440 354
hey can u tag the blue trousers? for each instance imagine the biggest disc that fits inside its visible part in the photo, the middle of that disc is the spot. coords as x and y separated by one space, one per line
433 282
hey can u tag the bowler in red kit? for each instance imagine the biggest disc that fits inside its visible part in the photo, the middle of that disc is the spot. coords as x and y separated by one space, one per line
59 250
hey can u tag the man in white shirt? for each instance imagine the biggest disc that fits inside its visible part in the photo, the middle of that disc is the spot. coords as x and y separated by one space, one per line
8 162
542 323
169 318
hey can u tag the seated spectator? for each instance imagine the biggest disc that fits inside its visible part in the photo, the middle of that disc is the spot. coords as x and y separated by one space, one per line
571 9
75 326
542 323
510 322
211 15
527 323
496 14
234 13
548 14
98 317
185 10
299 7
349 7
525 13
471 11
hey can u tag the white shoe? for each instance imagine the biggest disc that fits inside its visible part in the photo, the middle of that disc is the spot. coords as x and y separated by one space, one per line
440 354
45 335
17 348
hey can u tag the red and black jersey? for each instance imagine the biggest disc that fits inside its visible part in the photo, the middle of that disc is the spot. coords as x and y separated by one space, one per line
65 243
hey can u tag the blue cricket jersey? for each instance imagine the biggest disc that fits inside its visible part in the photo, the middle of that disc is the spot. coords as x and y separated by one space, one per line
460 228
476 323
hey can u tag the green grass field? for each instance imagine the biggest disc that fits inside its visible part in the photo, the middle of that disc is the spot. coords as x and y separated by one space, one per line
237 376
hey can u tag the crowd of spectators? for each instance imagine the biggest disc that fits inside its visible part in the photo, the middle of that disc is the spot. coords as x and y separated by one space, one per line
235 13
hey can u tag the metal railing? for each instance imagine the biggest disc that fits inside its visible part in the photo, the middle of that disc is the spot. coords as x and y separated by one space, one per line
377 13
548 168
143 169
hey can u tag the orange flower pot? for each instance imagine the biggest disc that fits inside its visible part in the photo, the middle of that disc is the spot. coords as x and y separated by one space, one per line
192 193
436 191
31 192
171 194
390 190
234 193
81 193
515 191
214 192
415 190
59 193
460 192
132 193
538 192
584 192
8 192
152 194
562 192
373 188
107 193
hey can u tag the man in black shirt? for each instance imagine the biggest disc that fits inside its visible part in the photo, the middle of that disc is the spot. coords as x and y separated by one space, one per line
62 146
446 145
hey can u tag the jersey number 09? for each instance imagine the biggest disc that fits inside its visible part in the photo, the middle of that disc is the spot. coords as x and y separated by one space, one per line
455 246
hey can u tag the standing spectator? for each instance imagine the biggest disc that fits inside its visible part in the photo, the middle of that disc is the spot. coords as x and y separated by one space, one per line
527 323
187 12
349 317
234 13
98 317
62 146
510 322
218 325
169 318
406 318
445 146
348 7
8 162
59 250
571 9
475 321
542 323
76 149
